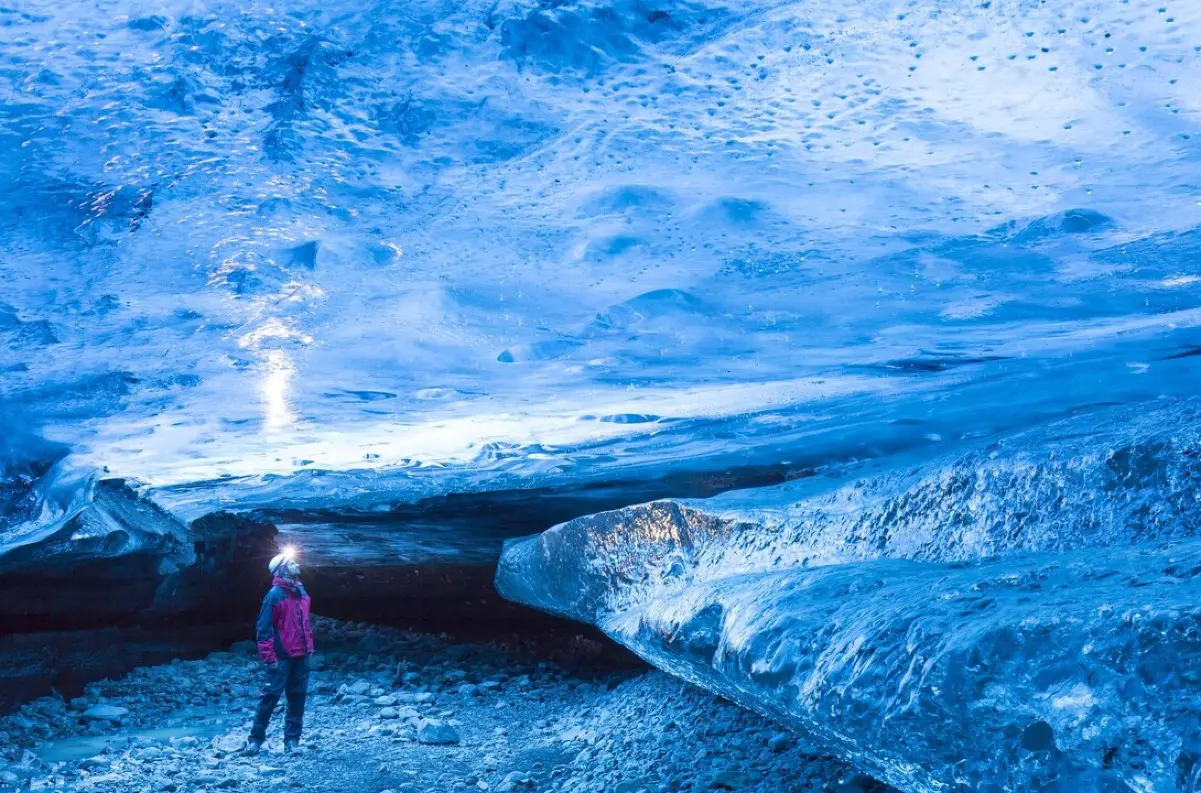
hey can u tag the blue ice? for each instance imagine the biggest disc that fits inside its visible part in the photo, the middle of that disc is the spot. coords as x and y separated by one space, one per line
347 256
1021 615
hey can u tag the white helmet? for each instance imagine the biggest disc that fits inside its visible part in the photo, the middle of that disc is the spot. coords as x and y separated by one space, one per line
285 563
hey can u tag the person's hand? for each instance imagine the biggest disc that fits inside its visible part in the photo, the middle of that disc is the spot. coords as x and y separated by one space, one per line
272 666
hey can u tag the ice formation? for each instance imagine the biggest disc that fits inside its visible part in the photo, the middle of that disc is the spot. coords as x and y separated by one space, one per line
352 267
58 518
364 254
1022 616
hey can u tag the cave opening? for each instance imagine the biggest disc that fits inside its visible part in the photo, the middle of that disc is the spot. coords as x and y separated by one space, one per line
424 678
62 628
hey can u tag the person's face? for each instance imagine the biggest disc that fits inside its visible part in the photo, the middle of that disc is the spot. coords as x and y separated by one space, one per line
290 569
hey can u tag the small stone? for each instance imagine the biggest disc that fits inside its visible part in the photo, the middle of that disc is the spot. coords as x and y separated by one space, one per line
779 742
228 743
437 733
113 713
727 779
388 713
147 753
514 780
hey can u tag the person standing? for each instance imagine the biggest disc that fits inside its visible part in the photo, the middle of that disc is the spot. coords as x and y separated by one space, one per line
285 644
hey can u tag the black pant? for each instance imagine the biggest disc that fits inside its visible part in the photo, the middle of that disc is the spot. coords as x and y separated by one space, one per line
289 676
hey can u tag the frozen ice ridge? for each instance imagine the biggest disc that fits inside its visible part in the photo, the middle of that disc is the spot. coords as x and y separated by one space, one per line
1024 615
56 516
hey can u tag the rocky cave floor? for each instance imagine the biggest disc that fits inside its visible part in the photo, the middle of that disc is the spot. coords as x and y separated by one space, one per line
392 710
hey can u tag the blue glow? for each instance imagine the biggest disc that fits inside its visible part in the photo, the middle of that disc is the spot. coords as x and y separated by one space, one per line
346 256
556 241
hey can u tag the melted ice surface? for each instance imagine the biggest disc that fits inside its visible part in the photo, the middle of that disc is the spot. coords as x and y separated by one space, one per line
1021 616
466 241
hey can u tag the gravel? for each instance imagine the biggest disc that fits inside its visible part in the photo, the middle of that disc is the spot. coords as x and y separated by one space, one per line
391 710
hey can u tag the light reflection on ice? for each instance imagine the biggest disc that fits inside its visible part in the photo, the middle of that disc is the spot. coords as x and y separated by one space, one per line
277 379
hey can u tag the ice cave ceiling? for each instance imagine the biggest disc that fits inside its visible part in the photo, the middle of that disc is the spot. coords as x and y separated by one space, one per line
345 256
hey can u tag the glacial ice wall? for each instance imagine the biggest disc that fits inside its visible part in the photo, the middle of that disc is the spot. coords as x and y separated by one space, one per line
1019 616
1066 672
1119 476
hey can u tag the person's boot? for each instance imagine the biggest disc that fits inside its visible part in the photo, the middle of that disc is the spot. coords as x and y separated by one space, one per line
253 746
291 745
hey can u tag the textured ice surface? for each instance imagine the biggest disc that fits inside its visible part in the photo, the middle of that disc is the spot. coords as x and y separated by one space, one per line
344 256
54 516
472 245
1021 616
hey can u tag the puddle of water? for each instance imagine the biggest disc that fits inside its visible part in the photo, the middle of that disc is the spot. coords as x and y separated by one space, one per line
204 723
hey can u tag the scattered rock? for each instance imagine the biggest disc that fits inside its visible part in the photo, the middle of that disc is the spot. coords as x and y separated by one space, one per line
779 742
437 733
147 753
113 713
727 779
516 780
621 732
229 743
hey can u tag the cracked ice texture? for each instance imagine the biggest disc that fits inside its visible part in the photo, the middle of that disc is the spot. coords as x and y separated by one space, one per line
1023 616
452 246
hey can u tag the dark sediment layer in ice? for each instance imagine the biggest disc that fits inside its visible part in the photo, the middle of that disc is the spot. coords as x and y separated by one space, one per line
1019 616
